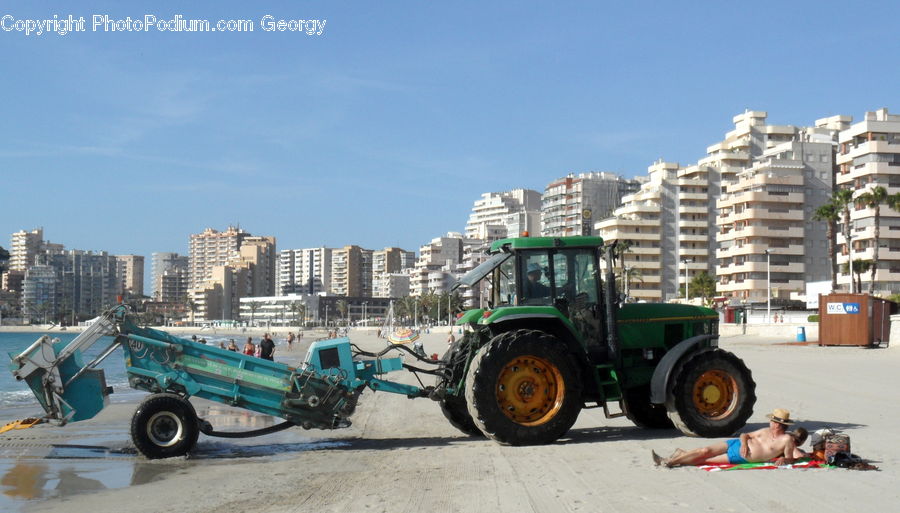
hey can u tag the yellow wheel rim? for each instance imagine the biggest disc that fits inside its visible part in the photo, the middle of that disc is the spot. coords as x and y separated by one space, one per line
714 394
530 390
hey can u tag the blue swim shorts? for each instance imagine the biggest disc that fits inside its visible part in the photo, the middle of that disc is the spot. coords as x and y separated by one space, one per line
734 451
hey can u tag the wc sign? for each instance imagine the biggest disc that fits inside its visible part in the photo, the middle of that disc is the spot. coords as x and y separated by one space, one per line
843 308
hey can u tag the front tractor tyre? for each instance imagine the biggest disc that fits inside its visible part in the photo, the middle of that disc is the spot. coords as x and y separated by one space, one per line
522 388
712 395
164 426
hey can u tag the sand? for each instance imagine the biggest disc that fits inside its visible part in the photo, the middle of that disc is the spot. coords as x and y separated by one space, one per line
402 455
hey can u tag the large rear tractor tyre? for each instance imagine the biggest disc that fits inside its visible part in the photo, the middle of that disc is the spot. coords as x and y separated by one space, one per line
713 394
642 412
454 407
522 388
164 426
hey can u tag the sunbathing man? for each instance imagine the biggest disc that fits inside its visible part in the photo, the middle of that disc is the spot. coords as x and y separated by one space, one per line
759 446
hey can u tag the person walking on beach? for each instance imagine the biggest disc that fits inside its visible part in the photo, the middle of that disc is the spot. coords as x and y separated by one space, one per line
290 340
451 339
232 346
761 445
249 347
267 348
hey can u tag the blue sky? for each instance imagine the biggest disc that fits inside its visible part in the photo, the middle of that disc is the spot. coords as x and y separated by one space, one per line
383 130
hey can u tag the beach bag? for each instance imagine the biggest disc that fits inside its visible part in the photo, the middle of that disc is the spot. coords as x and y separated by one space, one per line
835 444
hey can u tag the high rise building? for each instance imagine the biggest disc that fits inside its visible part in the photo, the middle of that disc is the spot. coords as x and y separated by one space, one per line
648 223
233 264
490 214
26 246
85 285
163 262
869 157
131 274
304 271
571 204
768 179
768 240
213 248
351 271
435 264
387 279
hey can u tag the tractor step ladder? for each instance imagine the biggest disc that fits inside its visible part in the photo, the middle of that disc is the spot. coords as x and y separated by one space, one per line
609 388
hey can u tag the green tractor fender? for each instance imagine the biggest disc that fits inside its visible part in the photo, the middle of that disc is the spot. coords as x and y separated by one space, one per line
659 383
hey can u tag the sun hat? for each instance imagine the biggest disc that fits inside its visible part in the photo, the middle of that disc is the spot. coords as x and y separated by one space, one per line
533 267
780 416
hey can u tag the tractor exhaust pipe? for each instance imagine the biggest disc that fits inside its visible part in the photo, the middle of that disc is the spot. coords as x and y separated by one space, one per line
612 305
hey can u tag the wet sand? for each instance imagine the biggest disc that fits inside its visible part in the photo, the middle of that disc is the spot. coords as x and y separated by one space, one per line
402 455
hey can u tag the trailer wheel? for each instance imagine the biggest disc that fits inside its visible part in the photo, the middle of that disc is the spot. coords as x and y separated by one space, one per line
523 389
642 412
454 407
712 395
163 426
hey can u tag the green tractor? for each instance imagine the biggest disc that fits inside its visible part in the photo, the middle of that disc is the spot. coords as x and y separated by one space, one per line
555 339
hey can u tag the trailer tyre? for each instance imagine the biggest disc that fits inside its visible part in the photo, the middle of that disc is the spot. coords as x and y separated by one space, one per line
164 426
522 388
712 394
642 412
454 407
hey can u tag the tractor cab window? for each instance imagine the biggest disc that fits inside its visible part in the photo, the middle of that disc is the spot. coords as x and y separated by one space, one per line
536 287
575 276
505 280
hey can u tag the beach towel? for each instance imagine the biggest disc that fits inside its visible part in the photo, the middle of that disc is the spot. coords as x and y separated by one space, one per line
766 465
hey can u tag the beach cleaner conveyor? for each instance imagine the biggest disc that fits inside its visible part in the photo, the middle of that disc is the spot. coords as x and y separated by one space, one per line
321 393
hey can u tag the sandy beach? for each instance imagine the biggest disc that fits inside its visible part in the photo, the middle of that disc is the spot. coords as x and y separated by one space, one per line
402 455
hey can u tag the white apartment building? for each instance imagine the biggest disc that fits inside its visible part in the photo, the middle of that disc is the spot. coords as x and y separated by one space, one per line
24 247
304 271
869 156
490 213
648 220
768 241
429 270
388 280
162 263
130 269
566 200
390 285
670 221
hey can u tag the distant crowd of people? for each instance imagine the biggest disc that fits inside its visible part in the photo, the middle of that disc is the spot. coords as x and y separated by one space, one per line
265 349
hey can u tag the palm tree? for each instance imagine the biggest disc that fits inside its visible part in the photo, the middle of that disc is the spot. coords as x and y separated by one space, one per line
859 267
343 307
830 213
874 198
842 199
297 309
192 306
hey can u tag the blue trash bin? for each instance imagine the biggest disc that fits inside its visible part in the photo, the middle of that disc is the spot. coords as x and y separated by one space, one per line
801 334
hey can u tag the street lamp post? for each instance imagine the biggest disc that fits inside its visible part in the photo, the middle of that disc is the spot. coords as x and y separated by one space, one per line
768 287
625 281
326 316
448 309
686 261
365 321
